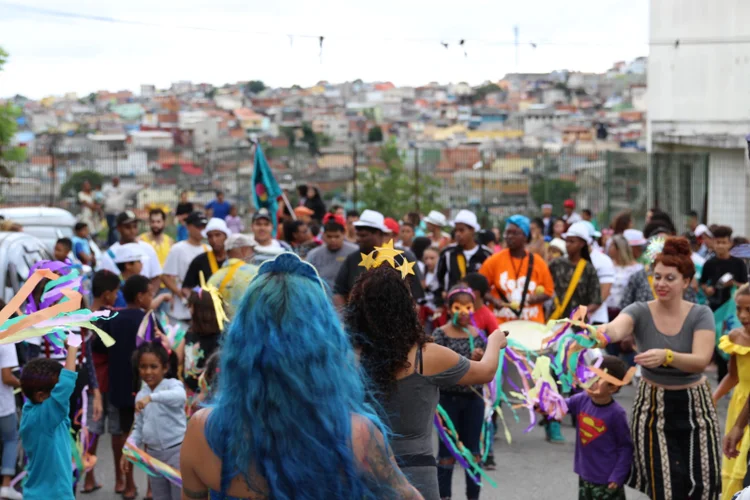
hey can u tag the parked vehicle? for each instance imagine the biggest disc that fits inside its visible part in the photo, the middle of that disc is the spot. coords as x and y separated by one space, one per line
49 224
18 254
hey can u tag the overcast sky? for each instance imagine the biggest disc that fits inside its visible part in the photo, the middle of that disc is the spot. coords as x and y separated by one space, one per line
386 40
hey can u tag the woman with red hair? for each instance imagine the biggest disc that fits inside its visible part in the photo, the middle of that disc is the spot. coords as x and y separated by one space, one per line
674 426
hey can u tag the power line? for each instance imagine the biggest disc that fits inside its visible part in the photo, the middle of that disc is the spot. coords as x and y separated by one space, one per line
116 20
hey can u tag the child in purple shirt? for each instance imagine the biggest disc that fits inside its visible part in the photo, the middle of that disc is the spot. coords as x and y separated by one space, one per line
604 448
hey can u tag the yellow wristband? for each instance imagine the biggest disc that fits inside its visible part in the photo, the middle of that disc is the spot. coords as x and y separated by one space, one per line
668 357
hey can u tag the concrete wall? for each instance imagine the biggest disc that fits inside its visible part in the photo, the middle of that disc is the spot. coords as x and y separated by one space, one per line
699 87
728 186
699 98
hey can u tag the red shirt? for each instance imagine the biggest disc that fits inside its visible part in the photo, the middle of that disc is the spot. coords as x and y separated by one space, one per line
485 320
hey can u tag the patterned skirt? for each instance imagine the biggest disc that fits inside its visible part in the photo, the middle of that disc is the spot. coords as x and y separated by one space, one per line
677 444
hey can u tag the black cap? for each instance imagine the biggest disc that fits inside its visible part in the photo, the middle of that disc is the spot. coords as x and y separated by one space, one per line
263 213
126 217
197 219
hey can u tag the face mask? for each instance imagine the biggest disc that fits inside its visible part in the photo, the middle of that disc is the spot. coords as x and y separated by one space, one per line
459 309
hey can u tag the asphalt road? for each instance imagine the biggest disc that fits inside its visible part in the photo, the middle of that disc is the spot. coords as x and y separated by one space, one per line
528 468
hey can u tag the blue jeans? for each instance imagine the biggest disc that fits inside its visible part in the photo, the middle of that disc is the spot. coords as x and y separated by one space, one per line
9 431
112 236
182 232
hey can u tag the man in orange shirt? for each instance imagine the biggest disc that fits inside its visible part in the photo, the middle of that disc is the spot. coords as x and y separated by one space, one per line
520 280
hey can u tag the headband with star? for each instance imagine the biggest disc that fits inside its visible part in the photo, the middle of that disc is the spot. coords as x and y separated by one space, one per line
388 254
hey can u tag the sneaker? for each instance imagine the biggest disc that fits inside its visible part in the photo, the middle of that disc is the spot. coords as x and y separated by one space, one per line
554 433
489 464
10 494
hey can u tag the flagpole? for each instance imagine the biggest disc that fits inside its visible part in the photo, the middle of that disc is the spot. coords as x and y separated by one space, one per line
288 205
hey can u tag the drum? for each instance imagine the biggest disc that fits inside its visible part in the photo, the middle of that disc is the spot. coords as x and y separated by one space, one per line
530 336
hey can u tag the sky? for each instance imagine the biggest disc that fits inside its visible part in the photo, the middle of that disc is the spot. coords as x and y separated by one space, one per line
224 41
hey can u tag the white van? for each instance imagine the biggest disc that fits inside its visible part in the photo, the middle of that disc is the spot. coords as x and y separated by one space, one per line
49 224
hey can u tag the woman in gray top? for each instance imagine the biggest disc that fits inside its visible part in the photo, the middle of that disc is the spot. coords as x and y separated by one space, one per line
408 369
674 425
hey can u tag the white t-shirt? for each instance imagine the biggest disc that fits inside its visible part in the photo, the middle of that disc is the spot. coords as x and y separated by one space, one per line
605 270
151 266
468 254
8 359
178 261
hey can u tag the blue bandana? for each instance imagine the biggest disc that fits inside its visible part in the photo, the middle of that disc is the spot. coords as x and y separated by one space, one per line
521 221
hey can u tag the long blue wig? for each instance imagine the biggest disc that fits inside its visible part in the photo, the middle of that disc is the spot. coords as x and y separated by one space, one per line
289 384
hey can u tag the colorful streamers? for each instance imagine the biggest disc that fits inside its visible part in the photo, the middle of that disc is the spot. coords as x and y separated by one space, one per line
55 319
174 333
150 465
449 436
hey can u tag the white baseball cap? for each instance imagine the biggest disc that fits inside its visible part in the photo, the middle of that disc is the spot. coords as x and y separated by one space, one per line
592 229
239 241
559 243
580 230
436 218
634 237
702 230
467 218
216 224
129 252
372 219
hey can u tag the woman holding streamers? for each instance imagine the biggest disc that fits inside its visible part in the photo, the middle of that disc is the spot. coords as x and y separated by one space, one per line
408 370
674 427
290 420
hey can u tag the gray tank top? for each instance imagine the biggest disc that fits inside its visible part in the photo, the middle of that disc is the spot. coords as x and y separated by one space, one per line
411 407
648 337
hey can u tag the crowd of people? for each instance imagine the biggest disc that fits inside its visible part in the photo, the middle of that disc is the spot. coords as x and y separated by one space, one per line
302 338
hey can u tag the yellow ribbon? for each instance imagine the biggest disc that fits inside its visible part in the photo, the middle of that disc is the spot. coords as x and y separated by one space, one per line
560 308
228 277
221 316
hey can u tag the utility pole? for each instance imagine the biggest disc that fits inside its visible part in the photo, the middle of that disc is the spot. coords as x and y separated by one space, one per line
53 168
416 178
515 36
354 175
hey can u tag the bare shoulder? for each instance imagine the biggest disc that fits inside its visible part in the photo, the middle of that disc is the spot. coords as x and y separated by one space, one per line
195 432
740 337
363 434
437 358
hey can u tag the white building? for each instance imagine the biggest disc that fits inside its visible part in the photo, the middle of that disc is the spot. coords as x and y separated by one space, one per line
698 101
147 90
152 139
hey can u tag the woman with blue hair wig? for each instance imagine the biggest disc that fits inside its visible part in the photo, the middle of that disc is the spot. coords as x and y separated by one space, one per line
290 419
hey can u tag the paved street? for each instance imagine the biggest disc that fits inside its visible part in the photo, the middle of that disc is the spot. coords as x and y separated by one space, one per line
530 468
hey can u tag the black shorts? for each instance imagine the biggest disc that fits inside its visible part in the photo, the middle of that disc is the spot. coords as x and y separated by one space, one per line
127 418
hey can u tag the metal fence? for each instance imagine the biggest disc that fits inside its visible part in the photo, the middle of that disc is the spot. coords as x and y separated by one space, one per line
495 182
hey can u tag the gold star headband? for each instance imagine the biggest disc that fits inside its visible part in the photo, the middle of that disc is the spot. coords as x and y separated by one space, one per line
388 254
158 206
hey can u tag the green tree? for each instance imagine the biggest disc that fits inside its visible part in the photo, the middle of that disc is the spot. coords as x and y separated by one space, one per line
9 113
74 183
375 134
288 132
554 191
324 140
391 189
481 92
255 86
311 138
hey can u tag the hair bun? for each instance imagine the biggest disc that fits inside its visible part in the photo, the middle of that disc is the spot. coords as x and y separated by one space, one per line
677 245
